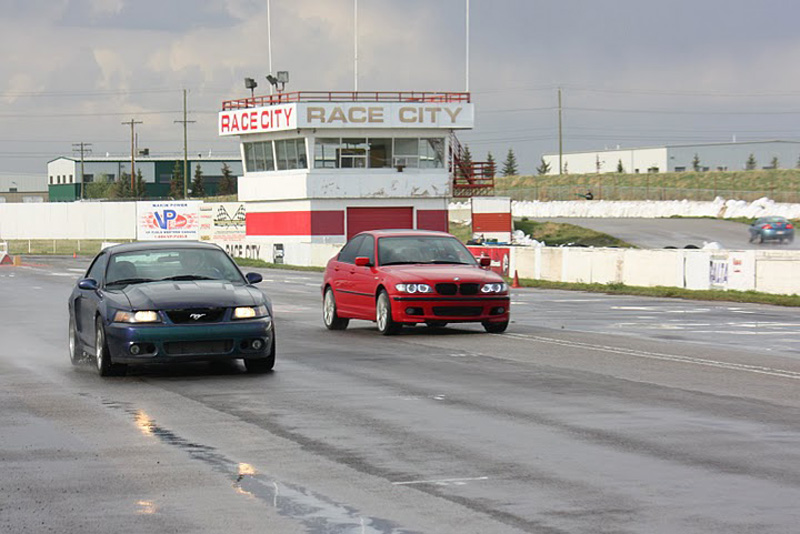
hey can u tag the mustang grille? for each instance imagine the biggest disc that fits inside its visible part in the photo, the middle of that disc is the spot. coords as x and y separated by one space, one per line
178 348
457 311
196 315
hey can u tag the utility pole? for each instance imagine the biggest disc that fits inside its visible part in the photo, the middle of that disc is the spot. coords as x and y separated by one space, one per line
185 149
132 123
560 141
84 148
466 51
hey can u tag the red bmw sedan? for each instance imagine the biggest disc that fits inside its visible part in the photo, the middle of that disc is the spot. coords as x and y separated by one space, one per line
406 277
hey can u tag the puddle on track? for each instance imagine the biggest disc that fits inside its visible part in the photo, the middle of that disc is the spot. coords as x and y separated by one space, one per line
317 513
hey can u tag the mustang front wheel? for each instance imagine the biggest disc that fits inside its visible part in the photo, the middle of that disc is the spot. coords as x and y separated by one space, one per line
103 360
75 349
261 365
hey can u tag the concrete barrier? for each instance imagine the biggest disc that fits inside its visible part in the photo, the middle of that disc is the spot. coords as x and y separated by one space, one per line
5 259
775 272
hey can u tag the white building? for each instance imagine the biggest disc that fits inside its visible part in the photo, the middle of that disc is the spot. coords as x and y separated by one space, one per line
678 158
321 167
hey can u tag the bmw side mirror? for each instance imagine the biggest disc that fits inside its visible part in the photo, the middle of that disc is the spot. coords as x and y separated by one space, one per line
253 278
363 261
485 261
89 284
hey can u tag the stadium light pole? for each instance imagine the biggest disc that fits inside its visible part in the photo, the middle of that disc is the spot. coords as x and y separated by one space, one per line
466 74
269 44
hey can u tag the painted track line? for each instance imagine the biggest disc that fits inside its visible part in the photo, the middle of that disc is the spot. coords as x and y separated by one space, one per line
782 373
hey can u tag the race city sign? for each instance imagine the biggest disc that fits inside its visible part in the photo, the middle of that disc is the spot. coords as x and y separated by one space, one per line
447 115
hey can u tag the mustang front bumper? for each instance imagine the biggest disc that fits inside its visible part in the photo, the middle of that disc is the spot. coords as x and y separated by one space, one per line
165 343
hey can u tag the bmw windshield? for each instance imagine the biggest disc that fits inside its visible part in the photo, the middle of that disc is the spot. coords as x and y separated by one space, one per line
423 249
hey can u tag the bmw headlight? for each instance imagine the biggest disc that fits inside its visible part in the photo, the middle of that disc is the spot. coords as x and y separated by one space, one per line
146 316
494 288
414 288
250 312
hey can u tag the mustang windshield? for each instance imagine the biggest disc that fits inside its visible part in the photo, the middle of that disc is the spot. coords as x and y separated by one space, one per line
423 249
176 264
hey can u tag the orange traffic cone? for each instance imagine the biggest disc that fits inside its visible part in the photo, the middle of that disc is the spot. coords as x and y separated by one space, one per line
515 282
74 254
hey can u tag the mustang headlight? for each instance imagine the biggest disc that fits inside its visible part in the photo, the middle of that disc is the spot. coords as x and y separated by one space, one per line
250 312
494 288
414 288
136 317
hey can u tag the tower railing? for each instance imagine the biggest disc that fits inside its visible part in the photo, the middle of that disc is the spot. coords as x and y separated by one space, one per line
344 96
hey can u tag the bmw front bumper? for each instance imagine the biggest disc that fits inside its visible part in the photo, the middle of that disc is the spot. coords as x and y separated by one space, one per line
420 309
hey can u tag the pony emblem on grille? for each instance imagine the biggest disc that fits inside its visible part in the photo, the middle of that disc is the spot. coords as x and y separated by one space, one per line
197 316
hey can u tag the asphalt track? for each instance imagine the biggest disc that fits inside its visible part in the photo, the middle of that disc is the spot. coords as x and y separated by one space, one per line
660 233
592 414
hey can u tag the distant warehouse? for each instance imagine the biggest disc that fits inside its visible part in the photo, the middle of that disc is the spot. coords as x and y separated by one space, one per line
678 158
64 173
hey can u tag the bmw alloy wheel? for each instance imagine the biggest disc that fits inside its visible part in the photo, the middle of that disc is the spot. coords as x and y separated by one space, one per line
329 308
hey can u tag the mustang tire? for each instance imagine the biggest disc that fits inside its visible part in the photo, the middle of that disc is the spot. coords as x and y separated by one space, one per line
261 365
102 357
75 348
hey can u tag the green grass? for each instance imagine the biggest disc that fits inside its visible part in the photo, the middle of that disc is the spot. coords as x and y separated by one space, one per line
669 292
462 231
260 264
59 247
556 234
782 185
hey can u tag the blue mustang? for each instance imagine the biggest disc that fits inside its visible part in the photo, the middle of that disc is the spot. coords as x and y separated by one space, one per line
169 301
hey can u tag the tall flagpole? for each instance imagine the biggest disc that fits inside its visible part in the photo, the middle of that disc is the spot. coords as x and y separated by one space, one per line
355 45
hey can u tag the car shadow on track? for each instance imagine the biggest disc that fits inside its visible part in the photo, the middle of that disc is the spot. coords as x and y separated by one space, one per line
186 370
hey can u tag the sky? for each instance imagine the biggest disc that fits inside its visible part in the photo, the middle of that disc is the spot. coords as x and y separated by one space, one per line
632 73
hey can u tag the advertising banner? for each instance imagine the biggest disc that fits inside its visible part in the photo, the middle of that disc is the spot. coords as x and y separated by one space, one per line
222 222
718 272
169 219
500 257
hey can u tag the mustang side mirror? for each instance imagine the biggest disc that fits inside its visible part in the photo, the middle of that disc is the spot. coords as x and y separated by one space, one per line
363 261
253 278
485 261
89 284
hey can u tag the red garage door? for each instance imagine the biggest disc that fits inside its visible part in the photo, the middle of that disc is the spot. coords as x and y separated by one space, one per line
361 219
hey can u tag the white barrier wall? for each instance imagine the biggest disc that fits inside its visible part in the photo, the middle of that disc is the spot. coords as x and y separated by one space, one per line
775 272
84 220
778 272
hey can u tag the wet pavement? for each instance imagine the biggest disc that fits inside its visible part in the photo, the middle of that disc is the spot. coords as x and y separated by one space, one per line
592 414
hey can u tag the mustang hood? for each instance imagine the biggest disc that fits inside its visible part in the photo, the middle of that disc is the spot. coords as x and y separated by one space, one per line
442 272
191 294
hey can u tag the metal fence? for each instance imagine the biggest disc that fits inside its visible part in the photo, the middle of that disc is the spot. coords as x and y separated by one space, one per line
612 192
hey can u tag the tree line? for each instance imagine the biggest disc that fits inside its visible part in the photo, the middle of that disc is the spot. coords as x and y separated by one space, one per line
125 188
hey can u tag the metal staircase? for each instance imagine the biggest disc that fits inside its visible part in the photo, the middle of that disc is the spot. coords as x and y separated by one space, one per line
470 178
